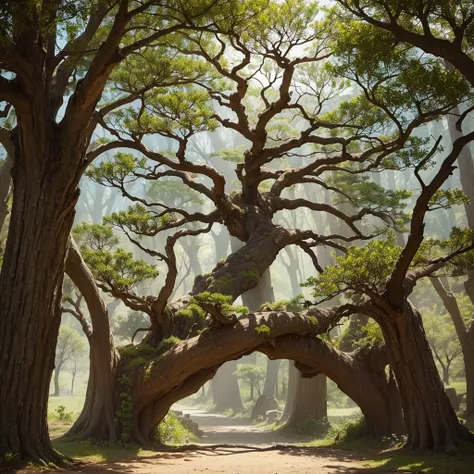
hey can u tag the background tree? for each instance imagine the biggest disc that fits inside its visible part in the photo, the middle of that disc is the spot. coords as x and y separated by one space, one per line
70 347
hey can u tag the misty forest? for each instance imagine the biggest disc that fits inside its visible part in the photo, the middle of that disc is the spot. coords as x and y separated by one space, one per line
237 236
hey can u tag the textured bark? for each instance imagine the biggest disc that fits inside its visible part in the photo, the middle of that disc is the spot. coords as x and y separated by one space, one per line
430 420
97 416
189 364
293 376
44 195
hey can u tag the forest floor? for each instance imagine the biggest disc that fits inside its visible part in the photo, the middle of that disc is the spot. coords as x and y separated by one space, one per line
235 446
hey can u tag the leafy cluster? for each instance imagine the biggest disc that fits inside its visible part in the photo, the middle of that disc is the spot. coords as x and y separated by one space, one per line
112 266
360 271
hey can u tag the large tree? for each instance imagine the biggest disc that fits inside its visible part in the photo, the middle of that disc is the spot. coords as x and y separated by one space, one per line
56 58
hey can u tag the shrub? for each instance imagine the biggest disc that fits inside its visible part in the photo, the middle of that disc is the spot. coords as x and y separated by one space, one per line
171 431
62 415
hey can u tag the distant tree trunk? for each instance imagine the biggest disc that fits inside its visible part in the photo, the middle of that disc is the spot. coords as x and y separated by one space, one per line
271 378
430 419
445 374
310 400
57 370
72 383
225 389
293 376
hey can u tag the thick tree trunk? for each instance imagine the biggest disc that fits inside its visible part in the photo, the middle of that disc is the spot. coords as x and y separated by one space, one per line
97 416
430 420
44 195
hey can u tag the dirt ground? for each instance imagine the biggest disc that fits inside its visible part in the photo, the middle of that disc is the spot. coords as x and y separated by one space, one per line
235 461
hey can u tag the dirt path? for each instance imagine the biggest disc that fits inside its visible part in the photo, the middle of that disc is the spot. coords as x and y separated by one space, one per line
251 450
219 429
235 461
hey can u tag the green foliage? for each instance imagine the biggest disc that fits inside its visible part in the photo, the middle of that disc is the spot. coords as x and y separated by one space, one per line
446 198
349 431
360 191
361 270
251 374
8 459
371 335
62 415
96 236
124 413
118 269
295 304
139 220
167 344
262 329
172 112
310 427
171 431
220 301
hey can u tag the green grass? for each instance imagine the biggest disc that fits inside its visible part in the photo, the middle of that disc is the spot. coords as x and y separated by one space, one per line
413 462
88 451
73 404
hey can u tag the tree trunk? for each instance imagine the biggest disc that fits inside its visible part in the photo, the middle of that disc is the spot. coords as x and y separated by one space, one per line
72 383
44 195
57 370
430 420
293 376
271 378
445 374
226 391
97 416
310 401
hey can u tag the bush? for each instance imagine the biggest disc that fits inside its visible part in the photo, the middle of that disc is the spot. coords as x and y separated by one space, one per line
171 431
348 431
62 415
311 427
8 460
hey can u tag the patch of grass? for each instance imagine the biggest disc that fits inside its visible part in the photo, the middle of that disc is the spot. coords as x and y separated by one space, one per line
404 461
94 451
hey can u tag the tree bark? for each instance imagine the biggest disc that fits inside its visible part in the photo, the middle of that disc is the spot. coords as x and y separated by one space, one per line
45 191
430 420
